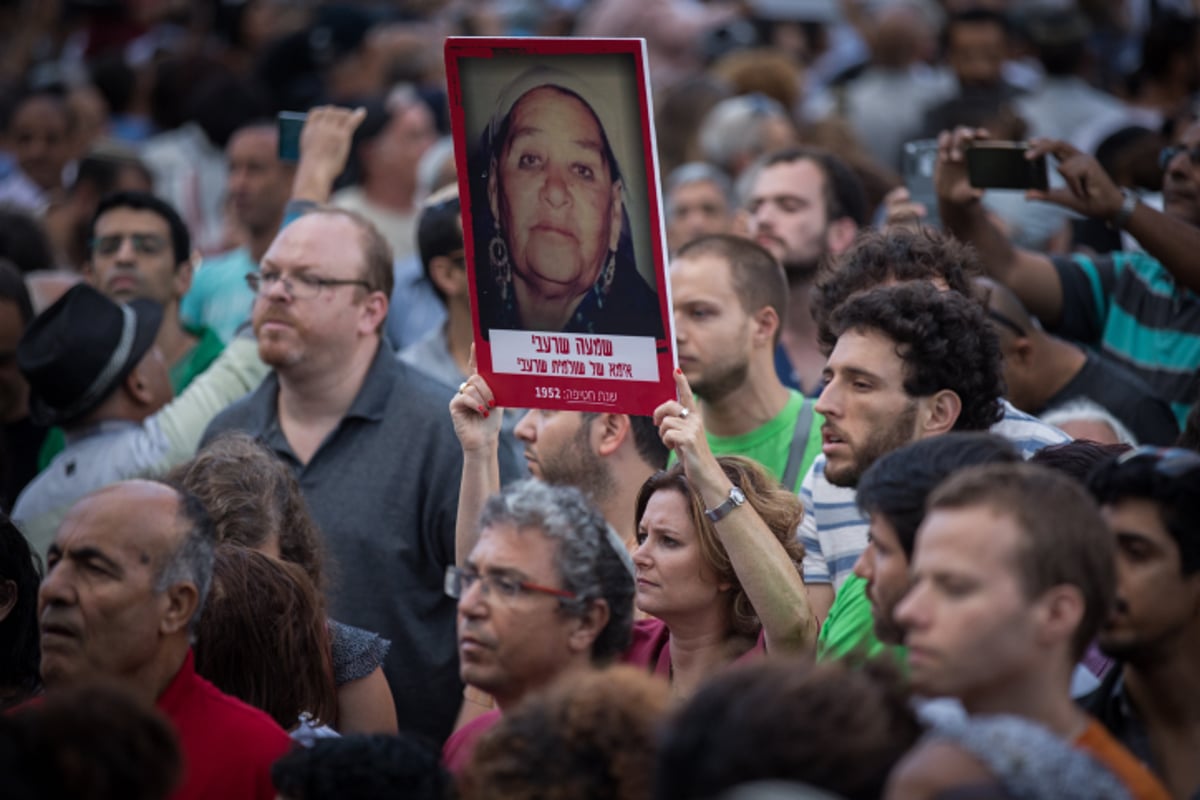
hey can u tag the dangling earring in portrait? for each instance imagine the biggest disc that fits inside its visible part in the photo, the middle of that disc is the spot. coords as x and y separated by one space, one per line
501 267
605 281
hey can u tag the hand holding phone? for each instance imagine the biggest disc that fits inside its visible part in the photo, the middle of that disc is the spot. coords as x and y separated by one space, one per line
1005 165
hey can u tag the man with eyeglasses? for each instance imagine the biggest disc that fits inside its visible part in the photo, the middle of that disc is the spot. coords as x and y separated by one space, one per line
375 454
1139 308
546 590
141 248
1150 499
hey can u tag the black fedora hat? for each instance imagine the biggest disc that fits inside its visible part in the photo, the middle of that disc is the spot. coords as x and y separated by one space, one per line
79 350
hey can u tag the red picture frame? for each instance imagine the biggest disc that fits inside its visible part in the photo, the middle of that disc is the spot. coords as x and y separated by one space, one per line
562 222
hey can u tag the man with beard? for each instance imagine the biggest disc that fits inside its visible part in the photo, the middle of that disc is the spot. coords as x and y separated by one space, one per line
606 456
805 205
886 259
1141 309
731 303
1150 499
909 362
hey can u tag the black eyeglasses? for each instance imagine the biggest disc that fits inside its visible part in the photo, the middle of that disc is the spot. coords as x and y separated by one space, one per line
146 244
1174 462
300 287
504 587
1167 154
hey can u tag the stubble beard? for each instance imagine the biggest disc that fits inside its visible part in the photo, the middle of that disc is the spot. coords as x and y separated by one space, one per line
716 388
879 444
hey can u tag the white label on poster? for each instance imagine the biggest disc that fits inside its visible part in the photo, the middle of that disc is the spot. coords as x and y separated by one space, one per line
574 355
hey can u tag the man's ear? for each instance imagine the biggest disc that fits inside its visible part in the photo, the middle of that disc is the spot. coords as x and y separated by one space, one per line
590 626
609 432
1059 612
374 311
183 274
182 600
616 206
1022 351
138 386
943 409
766 324
8 598
840 235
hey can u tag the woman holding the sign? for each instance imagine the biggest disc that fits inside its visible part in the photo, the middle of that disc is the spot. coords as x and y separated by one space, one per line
717 559
552 237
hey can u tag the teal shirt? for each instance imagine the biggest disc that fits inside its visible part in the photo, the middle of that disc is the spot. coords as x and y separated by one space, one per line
219 298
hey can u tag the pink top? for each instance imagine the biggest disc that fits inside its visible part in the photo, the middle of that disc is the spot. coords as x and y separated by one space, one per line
649 647
458 748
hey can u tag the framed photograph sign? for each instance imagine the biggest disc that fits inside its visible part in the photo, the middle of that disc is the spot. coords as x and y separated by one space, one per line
558 176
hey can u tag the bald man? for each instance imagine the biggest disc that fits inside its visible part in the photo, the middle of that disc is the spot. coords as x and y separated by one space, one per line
126 580
1044 372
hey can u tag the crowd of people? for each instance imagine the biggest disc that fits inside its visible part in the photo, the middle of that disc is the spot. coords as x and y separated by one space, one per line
921 518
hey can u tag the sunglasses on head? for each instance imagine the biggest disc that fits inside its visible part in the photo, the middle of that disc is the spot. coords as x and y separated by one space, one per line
1174 462
1167 154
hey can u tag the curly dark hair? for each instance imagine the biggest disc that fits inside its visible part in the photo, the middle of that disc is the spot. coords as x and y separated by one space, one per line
838 725
590 736
898 256
363 766
944 339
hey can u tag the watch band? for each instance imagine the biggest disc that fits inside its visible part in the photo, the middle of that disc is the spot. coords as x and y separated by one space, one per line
1128 205
735 499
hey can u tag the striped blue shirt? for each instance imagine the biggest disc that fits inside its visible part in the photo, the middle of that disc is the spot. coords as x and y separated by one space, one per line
834 531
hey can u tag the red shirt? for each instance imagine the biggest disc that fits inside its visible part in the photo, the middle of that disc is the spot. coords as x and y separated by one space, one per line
651 647
458 748
228 747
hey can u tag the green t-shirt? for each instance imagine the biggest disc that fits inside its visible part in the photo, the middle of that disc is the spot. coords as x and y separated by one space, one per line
198 359
850 628
769 443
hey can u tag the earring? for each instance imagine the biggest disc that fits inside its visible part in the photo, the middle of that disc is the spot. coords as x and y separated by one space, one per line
501 267
605 281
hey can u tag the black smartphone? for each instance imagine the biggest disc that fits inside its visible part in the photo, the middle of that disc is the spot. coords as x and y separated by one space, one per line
290 125
920 157
1003 165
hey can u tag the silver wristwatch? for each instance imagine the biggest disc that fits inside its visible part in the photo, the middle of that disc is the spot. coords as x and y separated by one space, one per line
1123 215
735 499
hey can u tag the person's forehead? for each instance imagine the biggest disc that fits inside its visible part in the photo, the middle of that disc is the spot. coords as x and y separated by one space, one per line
550 101
1136 515
131 220
702 188
504 546
259 141
1191 134
975 540
317 241
128 527
40 111
799 178
704 272
866 348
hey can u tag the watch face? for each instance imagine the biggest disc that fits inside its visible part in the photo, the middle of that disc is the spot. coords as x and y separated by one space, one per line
737 496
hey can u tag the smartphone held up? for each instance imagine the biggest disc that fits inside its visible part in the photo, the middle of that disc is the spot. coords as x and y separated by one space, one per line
1004 165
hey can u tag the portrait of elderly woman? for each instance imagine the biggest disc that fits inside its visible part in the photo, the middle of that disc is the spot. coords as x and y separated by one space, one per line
553 243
